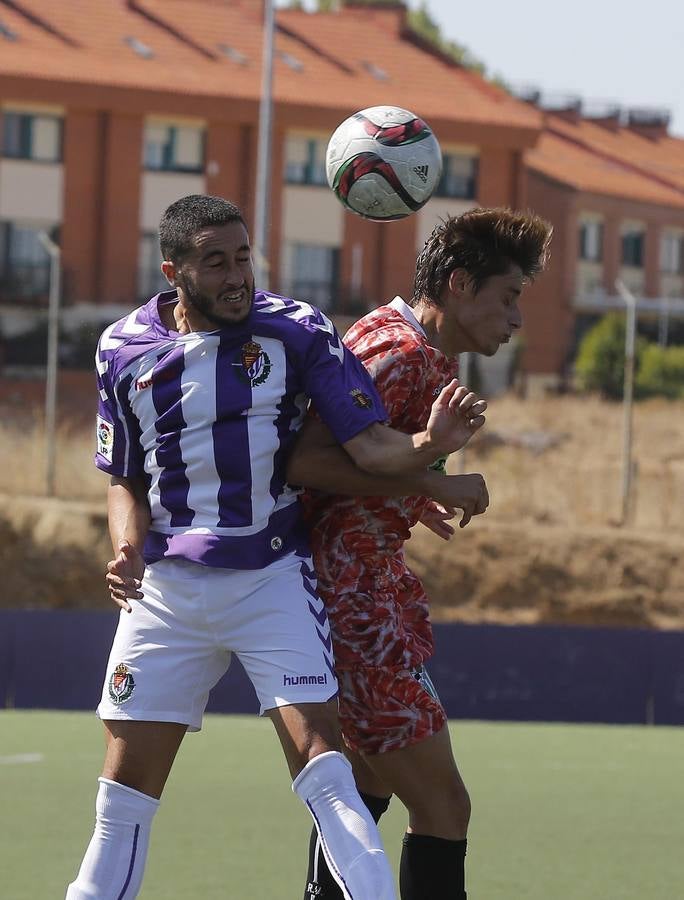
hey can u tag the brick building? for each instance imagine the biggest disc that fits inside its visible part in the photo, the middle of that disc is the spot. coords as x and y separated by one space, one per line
613 186
108 117
112 109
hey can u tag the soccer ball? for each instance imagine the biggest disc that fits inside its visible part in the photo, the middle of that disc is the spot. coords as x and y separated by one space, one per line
383 163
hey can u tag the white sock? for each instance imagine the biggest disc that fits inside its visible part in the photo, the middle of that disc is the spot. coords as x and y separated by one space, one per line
113 866
349 837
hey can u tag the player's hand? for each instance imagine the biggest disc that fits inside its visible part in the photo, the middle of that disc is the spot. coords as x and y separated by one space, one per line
466 492
436 518
456 415
124 575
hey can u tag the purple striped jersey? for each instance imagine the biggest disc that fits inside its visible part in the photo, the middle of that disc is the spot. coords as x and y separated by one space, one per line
208 418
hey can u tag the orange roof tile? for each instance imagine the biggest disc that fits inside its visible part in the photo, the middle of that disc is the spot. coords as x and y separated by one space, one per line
585 169
83 41
662 157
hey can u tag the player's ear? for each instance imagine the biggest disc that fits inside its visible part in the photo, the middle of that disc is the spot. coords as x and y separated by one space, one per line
458 281
169 271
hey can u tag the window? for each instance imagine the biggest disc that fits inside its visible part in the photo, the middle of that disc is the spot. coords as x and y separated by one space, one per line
24 262
174 148
459 176
139 47
235 55
295 64
633 248
150 278
591 240
6 32
672 253
305 161
377 73
314 275
29 136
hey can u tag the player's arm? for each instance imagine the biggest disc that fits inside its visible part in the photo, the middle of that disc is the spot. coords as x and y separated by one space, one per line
318 462
128 515
346 399
128 510
456 415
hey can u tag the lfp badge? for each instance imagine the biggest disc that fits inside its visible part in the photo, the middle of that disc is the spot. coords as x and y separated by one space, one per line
121 684
254 366
105 438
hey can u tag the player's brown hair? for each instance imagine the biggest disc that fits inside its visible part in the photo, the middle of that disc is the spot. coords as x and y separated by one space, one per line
185 217
484 242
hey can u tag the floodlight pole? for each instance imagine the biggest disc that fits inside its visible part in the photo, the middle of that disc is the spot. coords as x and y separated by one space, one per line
263 168
628 398
52 359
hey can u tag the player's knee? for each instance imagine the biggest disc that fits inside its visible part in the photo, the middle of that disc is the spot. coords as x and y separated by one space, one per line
462 803
323 729
444 813
319 734
457 804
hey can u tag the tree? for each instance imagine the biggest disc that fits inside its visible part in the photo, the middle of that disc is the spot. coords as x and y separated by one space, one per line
423 24
600 363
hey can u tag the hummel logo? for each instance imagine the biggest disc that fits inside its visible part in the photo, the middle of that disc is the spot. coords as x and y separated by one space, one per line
305 679
422 172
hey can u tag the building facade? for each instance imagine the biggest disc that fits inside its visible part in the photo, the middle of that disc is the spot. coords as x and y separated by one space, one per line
613 187
107 118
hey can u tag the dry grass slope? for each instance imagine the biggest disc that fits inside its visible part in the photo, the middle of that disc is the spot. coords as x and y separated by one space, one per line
548 549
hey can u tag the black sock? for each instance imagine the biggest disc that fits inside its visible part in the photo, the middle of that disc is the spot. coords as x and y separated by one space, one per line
432 868
320 885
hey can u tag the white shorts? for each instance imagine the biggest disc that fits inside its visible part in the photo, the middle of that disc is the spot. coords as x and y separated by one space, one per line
177 642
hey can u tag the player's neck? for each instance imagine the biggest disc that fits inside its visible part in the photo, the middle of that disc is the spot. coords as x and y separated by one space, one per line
187 319
434 323
183 318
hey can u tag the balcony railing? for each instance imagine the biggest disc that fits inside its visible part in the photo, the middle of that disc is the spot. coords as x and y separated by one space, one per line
601 302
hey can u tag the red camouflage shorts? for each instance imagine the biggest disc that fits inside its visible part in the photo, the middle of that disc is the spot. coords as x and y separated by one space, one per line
379 619
387 709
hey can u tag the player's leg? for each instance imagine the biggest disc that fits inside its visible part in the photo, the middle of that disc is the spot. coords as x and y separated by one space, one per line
323 780
395 721
285 648
161 668
140 754
320 885
425 777
396 726
137 763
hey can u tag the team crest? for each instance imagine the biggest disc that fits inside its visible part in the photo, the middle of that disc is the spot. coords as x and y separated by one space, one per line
121 684
254 366
360 399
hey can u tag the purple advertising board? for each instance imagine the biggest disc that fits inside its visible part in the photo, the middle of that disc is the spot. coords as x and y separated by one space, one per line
57 659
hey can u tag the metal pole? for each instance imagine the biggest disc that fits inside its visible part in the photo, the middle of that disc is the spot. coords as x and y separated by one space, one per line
463 377
263 170
664 322
628 397
52 359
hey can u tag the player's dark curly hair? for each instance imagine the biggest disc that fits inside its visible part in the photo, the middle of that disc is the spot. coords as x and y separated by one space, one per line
185 217
484 242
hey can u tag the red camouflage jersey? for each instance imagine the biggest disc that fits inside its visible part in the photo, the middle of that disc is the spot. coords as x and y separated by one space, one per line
377 607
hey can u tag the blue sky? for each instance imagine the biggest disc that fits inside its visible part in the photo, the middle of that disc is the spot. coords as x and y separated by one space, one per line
625 51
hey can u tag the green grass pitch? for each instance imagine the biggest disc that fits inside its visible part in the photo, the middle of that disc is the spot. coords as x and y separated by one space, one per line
567 812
